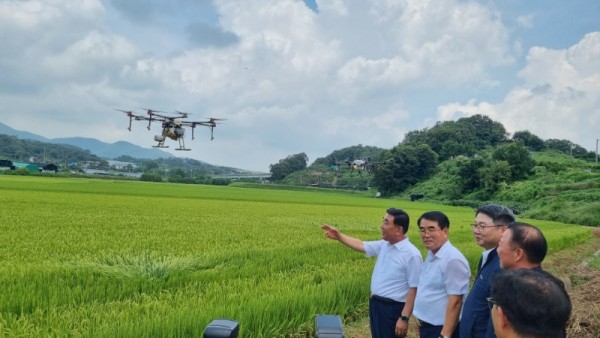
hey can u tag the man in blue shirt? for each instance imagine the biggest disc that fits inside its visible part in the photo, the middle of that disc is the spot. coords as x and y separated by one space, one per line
490 223
395 276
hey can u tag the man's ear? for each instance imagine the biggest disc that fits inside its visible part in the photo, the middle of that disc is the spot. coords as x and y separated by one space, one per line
504 323
519 254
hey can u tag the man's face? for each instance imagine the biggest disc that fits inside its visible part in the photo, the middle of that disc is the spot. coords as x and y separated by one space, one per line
487 234
433 237
388 229
506 254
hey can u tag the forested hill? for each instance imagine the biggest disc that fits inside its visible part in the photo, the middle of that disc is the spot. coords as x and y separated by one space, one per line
63 155
18 150
472 161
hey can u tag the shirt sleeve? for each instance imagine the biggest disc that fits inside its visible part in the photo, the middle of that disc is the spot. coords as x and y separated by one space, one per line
372 248
456 277
413 270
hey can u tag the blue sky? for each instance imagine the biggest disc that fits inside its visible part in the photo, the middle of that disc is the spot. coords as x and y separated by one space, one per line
296 76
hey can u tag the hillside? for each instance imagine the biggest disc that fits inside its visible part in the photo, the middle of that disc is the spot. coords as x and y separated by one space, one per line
559 188
23 146
96 147
16 150
471 162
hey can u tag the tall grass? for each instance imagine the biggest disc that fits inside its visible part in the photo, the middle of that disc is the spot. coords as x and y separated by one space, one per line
98 258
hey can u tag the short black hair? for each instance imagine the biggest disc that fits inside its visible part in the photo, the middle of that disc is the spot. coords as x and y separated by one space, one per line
436 216
534 301
531 239
401 218
500 214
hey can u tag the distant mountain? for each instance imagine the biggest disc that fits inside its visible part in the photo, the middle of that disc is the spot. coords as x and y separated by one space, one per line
99 148
4 129
112 150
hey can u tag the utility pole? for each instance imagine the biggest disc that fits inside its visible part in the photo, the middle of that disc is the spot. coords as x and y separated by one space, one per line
571 150
596 151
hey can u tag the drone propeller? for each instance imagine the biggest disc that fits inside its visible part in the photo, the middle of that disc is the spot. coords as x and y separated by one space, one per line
151 110
214 121
183 114
131 116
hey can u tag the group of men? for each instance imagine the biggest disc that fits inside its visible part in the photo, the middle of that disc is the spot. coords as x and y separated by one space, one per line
511 295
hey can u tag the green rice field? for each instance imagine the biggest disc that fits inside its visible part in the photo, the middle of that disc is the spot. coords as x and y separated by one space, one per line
103 258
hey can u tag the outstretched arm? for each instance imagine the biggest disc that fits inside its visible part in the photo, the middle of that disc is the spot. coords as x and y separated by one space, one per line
350 242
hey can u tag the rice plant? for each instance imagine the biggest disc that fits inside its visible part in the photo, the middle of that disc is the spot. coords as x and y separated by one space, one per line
100 258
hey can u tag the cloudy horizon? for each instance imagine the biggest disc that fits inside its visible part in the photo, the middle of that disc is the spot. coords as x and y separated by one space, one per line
294 76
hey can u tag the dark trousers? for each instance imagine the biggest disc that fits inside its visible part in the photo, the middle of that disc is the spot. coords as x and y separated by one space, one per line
383 315
433 331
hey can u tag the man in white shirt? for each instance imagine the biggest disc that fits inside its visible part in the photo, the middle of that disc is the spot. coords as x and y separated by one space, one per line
443 282
395 276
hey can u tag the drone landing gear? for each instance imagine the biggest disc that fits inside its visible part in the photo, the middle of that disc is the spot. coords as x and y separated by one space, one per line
182 144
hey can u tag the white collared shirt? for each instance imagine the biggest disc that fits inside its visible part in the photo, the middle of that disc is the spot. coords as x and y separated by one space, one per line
484 256
397 269
444 273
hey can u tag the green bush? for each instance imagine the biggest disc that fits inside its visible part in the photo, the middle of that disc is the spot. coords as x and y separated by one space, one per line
150 177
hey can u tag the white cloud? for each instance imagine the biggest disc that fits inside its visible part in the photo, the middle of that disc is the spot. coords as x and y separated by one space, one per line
288 79
525 21
560 96
93 57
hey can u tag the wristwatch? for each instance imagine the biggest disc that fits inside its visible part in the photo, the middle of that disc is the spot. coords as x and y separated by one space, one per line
441 336
404 318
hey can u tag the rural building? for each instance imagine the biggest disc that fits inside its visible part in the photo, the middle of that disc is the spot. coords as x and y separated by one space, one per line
6 165
119 165
51 167
26 166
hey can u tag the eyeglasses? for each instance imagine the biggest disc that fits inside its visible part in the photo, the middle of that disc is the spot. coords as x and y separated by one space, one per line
480 227
491 302
428 230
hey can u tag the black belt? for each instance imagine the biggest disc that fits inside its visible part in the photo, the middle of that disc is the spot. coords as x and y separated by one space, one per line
425 324
383 299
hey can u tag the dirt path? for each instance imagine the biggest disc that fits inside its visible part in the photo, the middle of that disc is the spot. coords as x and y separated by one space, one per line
583 284
582 280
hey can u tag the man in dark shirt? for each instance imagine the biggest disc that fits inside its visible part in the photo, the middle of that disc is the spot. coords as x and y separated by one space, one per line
490 223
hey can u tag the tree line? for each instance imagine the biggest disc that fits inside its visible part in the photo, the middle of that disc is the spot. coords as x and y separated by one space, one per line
17 150
486 157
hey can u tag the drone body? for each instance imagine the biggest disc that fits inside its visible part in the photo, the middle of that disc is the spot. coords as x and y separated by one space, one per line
173 127
359 165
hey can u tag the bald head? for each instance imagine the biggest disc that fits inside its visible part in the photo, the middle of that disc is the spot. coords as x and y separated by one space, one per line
522 246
